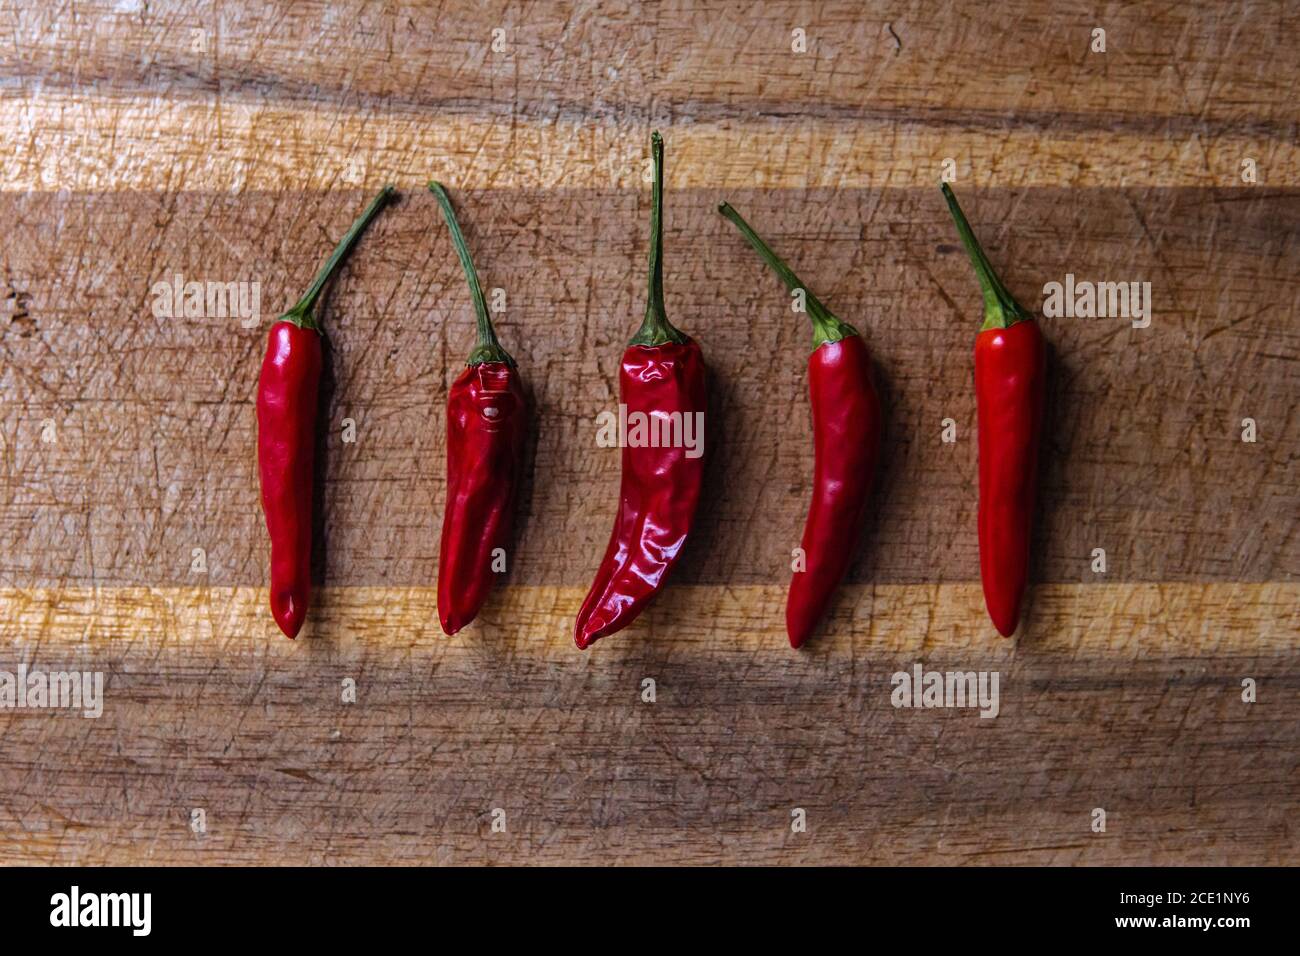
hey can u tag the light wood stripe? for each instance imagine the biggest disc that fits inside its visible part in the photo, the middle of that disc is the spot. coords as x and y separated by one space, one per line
1103 620
93 143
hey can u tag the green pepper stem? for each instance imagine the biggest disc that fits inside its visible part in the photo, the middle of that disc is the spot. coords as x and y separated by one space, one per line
302 312
1001 310
826 327
487 348
655 328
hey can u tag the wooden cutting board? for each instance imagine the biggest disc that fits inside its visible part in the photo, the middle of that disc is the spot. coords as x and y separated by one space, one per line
235 142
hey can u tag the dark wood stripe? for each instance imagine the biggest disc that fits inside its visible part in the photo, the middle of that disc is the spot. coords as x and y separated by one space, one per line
155 422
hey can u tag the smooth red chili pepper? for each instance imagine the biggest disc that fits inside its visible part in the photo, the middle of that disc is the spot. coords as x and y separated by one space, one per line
487 418
287 395
663 377
1010 376
846 448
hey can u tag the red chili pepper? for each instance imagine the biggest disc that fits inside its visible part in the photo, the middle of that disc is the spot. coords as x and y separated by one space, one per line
1010 374
846 447
662 377
487 417
287 395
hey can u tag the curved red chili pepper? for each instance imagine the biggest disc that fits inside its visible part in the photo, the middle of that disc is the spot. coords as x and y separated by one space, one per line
1010 378
846 448
662 375
487 418
287 395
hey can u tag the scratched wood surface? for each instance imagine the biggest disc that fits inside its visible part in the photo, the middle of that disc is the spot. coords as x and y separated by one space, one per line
236 142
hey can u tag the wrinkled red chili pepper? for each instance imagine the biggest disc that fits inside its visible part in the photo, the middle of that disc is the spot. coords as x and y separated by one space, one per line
846 447
487 417
1010 376
287 395
662 376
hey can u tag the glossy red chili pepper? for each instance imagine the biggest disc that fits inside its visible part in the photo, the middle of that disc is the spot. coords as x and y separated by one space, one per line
487 419
1010 376
287 395
846 448
662 377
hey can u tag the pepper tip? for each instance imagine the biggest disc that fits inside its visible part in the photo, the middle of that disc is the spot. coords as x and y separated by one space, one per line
584 635
1004 624
289 611
289 627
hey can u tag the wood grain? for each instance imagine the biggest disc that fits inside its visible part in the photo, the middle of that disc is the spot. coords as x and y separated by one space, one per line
141 143
1211 69
1124 697
1105 622
203 96
235 141
155 424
